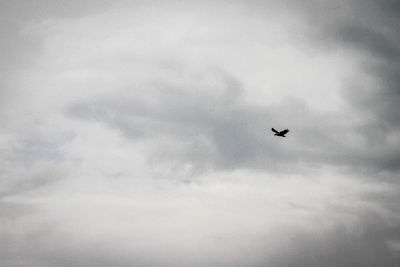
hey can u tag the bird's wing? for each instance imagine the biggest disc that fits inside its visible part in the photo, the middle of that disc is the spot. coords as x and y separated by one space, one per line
284 131
275 131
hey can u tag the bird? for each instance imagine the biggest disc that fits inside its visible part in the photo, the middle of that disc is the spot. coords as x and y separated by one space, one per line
281 133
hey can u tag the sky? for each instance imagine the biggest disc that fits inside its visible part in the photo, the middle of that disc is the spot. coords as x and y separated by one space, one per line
138 133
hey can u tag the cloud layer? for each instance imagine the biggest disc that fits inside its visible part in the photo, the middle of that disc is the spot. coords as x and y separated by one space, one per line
139 134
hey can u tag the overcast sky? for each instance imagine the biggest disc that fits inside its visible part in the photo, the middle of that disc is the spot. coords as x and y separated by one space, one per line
137 133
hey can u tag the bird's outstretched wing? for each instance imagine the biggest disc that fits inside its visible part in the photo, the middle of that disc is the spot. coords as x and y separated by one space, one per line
284 131
275 131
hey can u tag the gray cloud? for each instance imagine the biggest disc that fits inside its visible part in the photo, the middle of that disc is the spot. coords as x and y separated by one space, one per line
369 27
31 162
117 100
341 247
220 131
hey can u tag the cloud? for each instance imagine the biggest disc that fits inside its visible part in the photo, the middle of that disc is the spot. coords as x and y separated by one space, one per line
32 161
141 136
369 27
207 129
341 247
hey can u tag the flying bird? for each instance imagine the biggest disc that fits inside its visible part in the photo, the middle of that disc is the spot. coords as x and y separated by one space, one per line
281 133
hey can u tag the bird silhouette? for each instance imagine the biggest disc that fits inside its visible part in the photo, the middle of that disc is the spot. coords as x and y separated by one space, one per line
281 133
